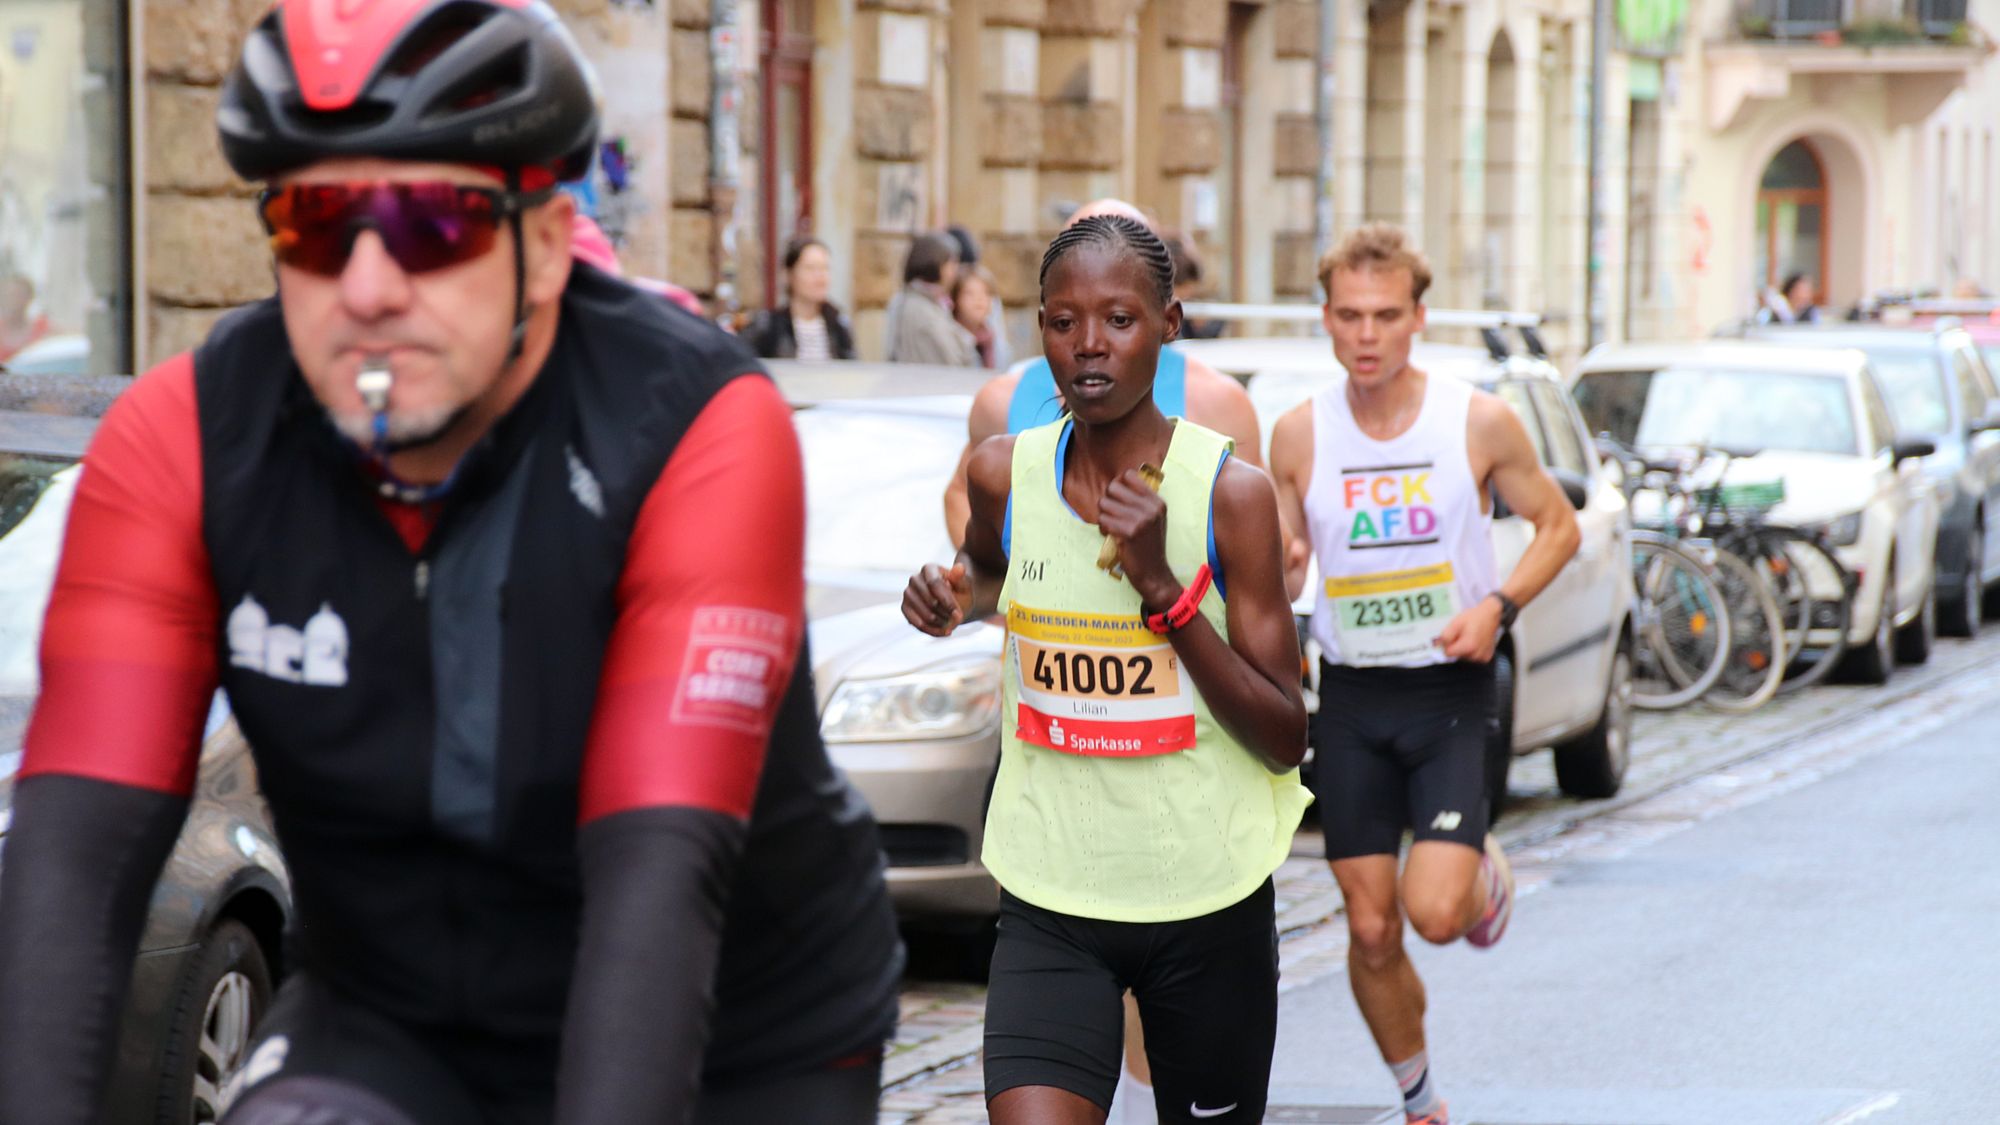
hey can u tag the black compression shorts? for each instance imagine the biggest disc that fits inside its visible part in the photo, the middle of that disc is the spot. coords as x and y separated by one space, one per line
324 1060
1207 989
1397 748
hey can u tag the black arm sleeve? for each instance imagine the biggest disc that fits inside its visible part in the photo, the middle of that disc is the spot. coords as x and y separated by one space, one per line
81 859
655 884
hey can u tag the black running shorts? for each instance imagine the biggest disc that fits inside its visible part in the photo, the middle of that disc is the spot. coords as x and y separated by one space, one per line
1207 989
326 1060
1397 748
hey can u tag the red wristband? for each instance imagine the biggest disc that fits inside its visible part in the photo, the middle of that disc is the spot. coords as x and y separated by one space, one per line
1185 608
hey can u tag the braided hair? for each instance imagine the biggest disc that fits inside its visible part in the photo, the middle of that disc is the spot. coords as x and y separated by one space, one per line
1120 235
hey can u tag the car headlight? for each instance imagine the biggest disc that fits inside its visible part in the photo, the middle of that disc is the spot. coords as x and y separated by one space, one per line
1841 531
949 701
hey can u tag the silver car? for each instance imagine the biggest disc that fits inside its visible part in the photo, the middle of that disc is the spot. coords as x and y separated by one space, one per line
210 952
914 720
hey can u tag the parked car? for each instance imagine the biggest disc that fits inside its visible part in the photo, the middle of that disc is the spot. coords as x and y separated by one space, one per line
1939 387
210 952
914 720
1815 419
1564 670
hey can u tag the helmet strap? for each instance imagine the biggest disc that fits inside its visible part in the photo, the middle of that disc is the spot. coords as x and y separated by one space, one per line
520 335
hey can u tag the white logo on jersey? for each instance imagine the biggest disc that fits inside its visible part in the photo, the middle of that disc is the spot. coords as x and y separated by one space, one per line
1446 821
315 655
583 484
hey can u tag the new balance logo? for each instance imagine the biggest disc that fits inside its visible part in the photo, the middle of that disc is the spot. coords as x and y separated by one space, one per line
583 484
315 655
1446 821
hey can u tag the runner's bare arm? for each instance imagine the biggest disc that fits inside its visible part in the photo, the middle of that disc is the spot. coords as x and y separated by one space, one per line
940 599
988 419
1291 472
1250 681
1219 402
1495 431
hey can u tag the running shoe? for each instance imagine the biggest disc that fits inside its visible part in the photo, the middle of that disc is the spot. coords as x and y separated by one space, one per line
1438 1116
1499 876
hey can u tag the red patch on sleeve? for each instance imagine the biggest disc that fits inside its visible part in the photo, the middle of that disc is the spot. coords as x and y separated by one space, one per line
736 667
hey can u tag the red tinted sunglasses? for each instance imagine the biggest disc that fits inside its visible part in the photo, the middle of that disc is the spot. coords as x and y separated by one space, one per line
424 226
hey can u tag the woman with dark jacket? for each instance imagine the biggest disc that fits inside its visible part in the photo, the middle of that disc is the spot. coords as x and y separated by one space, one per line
809 328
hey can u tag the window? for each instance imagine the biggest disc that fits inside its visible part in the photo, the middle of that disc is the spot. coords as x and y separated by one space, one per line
1565 448
1793 412
64 286
1516 395
1974 387
1913 382
65 260
1792 207
1880 421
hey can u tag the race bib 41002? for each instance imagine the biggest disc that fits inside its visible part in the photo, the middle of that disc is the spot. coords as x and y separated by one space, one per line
1391 617
1099 685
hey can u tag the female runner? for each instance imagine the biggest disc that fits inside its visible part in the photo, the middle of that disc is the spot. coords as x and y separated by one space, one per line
1152 723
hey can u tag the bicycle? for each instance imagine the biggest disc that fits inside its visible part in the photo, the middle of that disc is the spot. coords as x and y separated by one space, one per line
1754 659
1681 622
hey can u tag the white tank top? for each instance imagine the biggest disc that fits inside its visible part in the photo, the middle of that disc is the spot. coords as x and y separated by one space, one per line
1398 530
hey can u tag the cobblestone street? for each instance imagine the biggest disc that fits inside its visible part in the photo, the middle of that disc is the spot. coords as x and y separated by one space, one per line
1687 766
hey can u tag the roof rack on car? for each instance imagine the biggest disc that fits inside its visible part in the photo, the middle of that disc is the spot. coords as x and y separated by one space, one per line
1489 322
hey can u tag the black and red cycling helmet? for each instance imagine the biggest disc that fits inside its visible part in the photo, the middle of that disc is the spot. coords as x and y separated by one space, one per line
491 82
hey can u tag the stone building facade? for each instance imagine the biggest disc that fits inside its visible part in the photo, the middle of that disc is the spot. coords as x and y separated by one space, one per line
733 124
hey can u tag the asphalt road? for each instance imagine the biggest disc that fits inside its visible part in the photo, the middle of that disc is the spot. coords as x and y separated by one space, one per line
1827 954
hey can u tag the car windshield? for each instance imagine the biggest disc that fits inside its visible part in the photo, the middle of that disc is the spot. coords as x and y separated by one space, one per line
34 499
1795 412
1913 382
875 479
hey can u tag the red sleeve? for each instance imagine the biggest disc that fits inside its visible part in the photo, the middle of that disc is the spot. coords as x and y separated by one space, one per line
710 610
128 646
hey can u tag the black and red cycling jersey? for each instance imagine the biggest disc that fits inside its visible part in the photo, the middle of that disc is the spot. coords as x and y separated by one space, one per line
531 749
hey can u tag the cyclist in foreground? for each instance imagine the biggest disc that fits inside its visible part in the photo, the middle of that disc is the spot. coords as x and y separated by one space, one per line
499 560
1147 785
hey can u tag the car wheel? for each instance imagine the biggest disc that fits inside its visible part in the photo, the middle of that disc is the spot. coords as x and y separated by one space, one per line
1499 736
1872 662
1959 612
225 992
1913 641
1594 764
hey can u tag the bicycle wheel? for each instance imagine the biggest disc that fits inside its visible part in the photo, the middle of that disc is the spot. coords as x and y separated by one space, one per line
1680 624
1815 594
1756 663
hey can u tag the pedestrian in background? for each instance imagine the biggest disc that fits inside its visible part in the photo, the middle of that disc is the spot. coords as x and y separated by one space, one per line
1188 287
973 300
922 329
996 314
808 327
1794 302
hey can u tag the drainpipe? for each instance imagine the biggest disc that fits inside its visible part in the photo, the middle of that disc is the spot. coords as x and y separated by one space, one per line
724 145
1329 40
1595 295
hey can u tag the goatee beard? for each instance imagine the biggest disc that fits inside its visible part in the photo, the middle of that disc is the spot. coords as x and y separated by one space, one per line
407 429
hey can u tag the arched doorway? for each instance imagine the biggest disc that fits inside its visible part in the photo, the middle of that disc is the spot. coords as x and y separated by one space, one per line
1793 213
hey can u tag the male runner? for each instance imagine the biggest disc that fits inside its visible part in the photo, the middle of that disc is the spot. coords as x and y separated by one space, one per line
1385 476
499 560
1026 397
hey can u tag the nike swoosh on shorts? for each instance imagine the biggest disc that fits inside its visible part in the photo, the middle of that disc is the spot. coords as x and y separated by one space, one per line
1195 1110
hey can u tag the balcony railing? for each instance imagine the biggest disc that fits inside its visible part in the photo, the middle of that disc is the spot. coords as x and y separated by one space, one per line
1862 22
1940 17
1795 19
